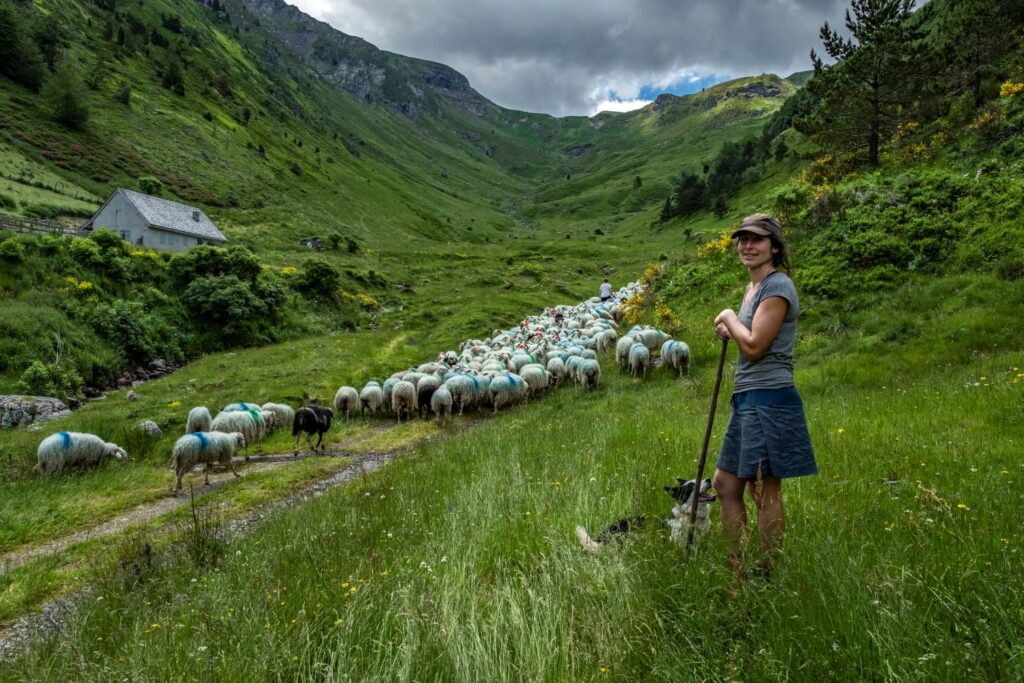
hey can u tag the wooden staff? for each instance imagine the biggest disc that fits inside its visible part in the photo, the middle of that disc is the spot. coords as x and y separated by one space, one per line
704 448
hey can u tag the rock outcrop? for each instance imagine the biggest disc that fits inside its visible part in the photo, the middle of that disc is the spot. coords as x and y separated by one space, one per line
21 411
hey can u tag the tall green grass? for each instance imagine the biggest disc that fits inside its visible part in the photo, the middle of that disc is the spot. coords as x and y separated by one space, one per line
459 562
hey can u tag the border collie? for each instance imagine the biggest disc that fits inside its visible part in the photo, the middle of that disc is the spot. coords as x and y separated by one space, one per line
678 523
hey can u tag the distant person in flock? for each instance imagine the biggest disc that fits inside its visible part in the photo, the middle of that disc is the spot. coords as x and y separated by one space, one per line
766 439
606 290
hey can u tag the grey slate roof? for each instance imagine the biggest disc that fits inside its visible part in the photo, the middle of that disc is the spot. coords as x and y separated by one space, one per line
163 213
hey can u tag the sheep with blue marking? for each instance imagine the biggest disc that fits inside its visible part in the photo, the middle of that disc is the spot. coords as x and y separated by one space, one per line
622 347
204 448
639 359
249 422
589 373
198 420
239 407
676 356
441 403
65 449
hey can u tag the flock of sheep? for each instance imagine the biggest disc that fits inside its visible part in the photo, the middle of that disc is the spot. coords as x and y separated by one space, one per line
558 346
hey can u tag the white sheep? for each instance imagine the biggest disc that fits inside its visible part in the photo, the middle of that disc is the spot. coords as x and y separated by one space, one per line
622 347
239 407
198 420
346 402
204 448
403 399
249 423
556 368
639 359
371 398
441 403
536 378
589 373
676 356
283 414
64 449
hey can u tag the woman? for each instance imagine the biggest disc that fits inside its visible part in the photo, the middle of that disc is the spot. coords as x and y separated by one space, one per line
766 440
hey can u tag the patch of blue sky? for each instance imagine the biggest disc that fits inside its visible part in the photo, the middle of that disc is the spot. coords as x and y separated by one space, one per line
684 86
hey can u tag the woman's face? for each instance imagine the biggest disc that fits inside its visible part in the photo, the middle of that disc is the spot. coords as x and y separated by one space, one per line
754 250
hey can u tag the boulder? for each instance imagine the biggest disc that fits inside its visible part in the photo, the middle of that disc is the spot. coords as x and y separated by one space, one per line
19 411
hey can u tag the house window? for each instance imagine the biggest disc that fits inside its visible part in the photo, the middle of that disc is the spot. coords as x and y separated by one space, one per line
126 234
163 238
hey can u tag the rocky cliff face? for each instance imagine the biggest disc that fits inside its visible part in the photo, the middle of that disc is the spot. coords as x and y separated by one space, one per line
409 85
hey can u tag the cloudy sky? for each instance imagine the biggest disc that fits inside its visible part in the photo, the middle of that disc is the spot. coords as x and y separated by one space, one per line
568 57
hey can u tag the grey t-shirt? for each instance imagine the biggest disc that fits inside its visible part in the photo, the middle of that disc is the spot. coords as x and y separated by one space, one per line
775 369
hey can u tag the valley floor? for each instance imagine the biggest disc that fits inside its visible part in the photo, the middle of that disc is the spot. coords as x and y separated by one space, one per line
459 561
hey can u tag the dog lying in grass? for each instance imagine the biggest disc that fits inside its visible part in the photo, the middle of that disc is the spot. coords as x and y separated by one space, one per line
678 523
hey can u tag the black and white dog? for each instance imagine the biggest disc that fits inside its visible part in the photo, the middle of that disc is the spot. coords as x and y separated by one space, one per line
678 523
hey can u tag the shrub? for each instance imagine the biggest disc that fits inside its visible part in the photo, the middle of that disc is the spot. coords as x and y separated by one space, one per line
109 241
58 379
207 261
7 202
150 185
126 325
11 249
225 309
318 278
1010 269
86 253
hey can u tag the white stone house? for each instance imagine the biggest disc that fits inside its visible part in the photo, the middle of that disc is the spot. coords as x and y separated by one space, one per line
155 223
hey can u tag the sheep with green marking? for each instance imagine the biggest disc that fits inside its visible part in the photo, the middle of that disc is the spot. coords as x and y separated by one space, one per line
249 423
204 448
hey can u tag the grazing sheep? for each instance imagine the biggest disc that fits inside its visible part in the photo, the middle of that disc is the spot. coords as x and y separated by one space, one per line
441 403
676 356
503 392
346 402
283 414
389 386
371 398
639 359
311 420
606 340
64 449
205 448
651 338
622 347
403 399
249 423
198 420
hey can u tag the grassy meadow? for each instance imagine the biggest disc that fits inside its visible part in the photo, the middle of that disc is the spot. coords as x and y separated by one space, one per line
459 561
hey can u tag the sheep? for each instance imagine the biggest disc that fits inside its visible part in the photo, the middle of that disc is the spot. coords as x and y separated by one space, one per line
346 402
389 386
441 403
311 420
403 399
425 390
676 356
606 340
536 377
64 449
622 347
652 338
204 448
283 413
556 368
198 420
639 359
239 407
589 373
249 423
463 389
371 398
503 391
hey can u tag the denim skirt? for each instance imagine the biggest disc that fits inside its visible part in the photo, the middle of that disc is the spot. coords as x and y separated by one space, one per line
767 436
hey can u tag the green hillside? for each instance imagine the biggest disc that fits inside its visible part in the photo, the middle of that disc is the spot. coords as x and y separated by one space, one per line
449 217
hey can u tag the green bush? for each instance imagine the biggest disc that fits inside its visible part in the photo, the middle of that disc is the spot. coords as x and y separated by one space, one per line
86 253
7 202
11 249
58 380
318 278
150 185
207 261
225 310
139 335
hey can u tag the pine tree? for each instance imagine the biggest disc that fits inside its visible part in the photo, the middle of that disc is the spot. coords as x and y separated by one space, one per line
65 94
666 210
868 91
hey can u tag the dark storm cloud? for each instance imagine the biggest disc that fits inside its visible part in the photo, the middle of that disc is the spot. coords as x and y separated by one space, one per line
564 57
